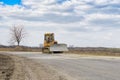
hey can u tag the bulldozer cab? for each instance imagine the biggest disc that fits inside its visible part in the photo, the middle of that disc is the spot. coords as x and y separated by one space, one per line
49 37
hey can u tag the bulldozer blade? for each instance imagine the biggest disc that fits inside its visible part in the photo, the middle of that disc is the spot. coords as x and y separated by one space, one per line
58 48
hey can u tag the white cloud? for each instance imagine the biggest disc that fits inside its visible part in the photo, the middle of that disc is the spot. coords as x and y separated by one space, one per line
101 2
75 22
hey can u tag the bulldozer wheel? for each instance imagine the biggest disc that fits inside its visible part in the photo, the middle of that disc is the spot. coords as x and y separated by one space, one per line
45 50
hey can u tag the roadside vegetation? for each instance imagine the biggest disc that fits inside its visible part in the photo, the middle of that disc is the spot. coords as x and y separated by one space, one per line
95 51
74 50
20 48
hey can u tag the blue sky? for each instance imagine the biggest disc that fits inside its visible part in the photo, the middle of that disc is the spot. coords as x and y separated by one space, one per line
11 2
84 23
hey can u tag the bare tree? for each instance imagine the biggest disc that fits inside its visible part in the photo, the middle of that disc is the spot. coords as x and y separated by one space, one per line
17 34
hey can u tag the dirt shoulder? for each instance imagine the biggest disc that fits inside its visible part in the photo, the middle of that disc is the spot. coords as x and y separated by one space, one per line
6 67
19 68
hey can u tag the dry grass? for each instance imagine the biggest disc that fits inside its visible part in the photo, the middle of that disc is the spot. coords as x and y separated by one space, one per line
21 49
96 51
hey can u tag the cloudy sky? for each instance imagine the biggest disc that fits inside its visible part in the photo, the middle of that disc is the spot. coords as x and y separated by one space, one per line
84 23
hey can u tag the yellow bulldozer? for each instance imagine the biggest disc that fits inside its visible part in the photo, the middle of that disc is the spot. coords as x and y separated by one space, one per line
52 46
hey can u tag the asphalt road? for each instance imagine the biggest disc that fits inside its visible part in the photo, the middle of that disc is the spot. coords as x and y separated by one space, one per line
80 67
